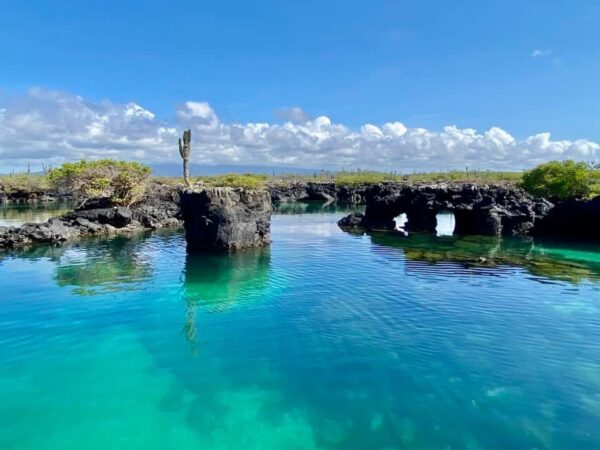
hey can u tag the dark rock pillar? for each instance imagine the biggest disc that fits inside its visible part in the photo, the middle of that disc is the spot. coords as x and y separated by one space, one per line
487 221
464 222
377 218
517 224
226 218
421 220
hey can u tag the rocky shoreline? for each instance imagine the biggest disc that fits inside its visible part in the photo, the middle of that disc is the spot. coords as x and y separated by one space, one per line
318 192
25 197
488 210
243 220
159 208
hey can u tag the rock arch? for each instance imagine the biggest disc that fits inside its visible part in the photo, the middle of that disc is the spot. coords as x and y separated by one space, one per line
484 210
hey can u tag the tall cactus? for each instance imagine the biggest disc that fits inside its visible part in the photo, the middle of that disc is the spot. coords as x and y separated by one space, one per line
184 150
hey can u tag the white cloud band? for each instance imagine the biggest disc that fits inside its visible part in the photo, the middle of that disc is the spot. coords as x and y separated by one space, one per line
52 127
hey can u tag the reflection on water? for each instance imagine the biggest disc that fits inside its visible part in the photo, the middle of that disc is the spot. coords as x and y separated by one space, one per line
328 340
573 262
18 214
316 207
218 282
95 266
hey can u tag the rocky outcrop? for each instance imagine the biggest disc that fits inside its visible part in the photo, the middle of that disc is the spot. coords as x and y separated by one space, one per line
573 219
30 197
226 218
159 208
354 220
317 192
479 210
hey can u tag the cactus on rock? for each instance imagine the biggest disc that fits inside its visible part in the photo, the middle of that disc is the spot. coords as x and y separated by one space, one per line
184 150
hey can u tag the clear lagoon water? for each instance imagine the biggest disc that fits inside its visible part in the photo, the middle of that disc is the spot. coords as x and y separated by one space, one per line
327 340
20 213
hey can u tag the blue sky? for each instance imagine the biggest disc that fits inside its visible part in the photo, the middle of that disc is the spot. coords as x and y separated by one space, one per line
525 67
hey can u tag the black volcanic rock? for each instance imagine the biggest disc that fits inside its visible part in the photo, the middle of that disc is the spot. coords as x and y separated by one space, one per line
354 220
484 210
225 219
159 208
316 192
575 219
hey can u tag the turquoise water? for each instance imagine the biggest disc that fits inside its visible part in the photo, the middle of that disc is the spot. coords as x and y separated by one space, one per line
327 340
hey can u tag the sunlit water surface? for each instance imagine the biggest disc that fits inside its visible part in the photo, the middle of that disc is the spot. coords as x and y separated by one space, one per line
328 340
18 214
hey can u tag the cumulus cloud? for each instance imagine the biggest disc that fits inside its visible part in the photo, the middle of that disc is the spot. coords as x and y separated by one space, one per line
294 115
51 127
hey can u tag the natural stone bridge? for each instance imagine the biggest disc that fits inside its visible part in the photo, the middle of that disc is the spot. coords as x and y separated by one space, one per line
483 210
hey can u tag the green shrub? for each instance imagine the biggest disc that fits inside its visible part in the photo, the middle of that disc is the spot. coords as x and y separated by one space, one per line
561 180
455 176
24 182
363 177
236 180
466 176
121 181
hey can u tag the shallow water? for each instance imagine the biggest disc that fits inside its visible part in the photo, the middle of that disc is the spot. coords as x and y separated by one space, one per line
327 340
18 214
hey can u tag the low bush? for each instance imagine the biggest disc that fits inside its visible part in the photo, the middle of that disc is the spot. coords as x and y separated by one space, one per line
24 182
122 181
467 176
363 177
561 180
236 180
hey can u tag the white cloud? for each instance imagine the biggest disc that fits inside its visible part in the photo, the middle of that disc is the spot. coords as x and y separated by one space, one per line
198 114
540 53
52 127
294 115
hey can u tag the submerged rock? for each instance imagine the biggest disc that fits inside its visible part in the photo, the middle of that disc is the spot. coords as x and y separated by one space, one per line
354 220
226 218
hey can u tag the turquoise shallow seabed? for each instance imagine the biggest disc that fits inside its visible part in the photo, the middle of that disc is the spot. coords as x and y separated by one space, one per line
327 340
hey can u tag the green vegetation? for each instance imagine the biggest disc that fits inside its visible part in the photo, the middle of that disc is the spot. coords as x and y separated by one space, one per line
168 181
467 176
124 182
121 181
364 177
24 182
561 180
245 180
456 176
